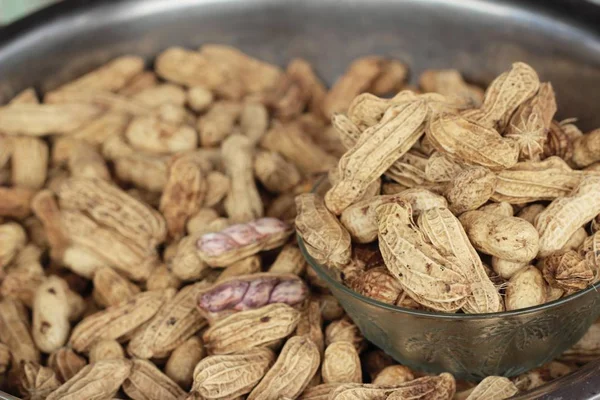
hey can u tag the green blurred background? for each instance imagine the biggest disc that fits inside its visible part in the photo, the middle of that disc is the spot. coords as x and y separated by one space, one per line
13 9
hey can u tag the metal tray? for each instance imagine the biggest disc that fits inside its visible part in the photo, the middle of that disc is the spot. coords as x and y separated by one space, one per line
559 38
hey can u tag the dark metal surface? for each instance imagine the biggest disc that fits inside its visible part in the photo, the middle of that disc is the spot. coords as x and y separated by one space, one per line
479 37
560 38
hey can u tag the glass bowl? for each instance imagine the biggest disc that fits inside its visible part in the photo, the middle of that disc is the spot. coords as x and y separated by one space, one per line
470 346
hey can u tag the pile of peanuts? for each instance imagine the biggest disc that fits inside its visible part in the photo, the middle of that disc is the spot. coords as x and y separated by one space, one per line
147 221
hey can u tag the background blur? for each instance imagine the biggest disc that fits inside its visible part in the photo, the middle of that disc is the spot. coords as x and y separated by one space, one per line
13 9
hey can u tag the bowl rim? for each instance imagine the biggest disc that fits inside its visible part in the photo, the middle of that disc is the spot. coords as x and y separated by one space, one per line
320 270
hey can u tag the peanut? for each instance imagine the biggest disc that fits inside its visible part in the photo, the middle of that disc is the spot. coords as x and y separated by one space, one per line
36 382
230 376
509 238
243 202
526 288
439 282
182 361
94 381
251 328
146 381
117 321
297 363
106 350
175 322
493 387
341 363
324 237
110 288
66 363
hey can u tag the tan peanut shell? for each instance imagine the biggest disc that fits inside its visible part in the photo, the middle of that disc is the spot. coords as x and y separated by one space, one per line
217 187
526 288
117 321
218 122
95 381
576 239
506 93
199 98
341 363
110 288
493 387
243 202
36 382
186 264
568 271
409 169
311 325
394 375
182 196
173 324
252 328
446 233
530 212
440 387
530 123
379 284
146 381
15 331
104 244
51 309
449 82
104 99
145 172
106 350
226 377
166 93
536 180
298 147
289 261
82 158
439 283
66 363
201 219
324 237
359 76
470 189
509 238
182 361
274 172
319 392
506 269
45 119
16 202
247 266
12 239
161 278
502 208
585 149
557 223
471 142
112 76
29 162
298 361
375 151
112 207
